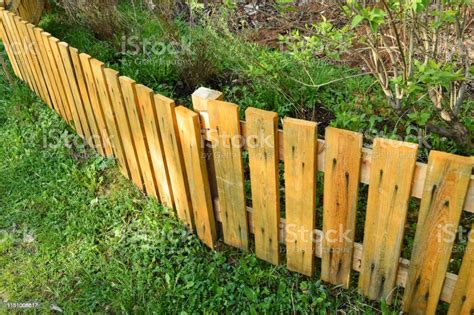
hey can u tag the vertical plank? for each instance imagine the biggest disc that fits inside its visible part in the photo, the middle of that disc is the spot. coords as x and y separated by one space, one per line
56 77
165 111
341 187
6 38
89 124
196 170
200 99
35 56
300 158
67 98
441 206
136 125
75 100
152 133
391 173
262 143
109 115
105 148
44 62
18 48
118 107
29 54
462 301
227 150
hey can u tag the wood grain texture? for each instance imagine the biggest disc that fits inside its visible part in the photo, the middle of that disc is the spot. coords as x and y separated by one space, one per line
262 142
224 121
165 112
73 90
105 147
139 139
5 36
440 211
46 68
341 187
418 179
463 296
393 165
109 115
198 179
18 48
300 152
153 136
62 80
32 47
61 96
123 126
22 51
86 113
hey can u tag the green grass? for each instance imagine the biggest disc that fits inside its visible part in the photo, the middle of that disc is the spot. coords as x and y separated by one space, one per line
75 234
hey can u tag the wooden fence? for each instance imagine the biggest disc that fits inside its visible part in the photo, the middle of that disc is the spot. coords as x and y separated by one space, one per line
191 161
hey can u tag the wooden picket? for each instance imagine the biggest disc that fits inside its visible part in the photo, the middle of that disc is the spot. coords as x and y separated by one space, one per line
196 170
440 211
165 112
192 161
123 127
225 122
300 147
387 205
262 142
341 187
104 147
86 113
146 102
134 119
104 97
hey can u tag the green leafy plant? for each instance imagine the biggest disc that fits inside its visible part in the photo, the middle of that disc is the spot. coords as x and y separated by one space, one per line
416 49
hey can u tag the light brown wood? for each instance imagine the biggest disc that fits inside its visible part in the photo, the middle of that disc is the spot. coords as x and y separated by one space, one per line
463 295
62 77
387 205
341 187
61 95
37 64
69 78
141 147
262 143
418 179
86 113
153 136
196 170
105 148
200 99
46 68
165 112
17 48
224 121
29 55
97 68
123 126
300 152
6 38
440 211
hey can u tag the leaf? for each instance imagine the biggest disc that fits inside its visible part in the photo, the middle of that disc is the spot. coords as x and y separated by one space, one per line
356 20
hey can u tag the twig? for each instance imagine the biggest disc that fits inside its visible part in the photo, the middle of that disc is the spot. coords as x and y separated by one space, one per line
330 82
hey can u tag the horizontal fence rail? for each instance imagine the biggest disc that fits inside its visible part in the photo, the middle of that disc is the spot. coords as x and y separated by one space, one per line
192 161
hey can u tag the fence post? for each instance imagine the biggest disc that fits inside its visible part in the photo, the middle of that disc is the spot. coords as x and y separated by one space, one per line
200 99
